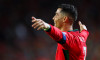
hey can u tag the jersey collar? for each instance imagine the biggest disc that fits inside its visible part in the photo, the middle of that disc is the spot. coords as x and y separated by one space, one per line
73 30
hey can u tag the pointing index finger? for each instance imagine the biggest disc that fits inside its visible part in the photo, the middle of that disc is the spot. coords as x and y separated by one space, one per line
33 18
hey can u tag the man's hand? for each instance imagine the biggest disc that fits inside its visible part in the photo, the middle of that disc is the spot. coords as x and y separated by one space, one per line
39 24
82 26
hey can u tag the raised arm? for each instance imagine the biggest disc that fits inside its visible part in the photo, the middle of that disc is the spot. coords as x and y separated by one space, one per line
52 31
83 31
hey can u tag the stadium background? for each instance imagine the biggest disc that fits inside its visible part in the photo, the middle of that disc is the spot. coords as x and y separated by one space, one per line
19 41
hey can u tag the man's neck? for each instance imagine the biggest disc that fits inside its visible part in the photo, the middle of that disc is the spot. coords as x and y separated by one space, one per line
66 27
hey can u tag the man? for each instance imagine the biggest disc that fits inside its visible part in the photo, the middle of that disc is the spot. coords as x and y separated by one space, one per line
71 43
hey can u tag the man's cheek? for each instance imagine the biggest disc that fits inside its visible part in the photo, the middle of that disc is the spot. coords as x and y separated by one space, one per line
58 18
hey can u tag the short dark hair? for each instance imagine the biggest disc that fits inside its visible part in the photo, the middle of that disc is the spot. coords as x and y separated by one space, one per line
69 9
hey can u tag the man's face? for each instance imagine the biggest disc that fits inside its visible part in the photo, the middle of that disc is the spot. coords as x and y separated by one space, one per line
58 18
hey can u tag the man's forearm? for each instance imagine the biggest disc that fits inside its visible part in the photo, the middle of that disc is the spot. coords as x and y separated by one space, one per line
54 33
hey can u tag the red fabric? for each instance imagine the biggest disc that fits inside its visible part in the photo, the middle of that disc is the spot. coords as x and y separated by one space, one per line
75 43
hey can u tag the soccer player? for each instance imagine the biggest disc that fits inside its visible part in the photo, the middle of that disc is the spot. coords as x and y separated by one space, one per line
71 43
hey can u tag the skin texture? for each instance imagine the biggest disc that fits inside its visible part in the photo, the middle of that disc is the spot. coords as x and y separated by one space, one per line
61 21
58 18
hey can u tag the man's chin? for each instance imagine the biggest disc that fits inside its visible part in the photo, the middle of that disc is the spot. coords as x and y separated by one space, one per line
55 25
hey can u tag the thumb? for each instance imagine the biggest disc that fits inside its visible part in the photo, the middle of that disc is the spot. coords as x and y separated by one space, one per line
80 23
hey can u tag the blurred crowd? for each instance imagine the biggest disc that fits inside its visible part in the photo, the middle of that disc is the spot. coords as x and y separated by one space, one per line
19 41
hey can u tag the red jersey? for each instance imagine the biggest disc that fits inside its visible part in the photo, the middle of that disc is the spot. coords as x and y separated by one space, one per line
71 44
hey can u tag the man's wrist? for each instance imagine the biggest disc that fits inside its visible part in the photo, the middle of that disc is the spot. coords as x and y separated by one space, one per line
47 27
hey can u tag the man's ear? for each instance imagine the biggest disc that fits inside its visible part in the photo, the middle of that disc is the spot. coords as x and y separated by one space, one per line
65 19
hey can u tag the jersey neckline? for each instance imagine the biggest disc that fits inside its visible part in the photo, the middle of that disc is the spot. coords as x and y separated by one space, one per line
73 30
